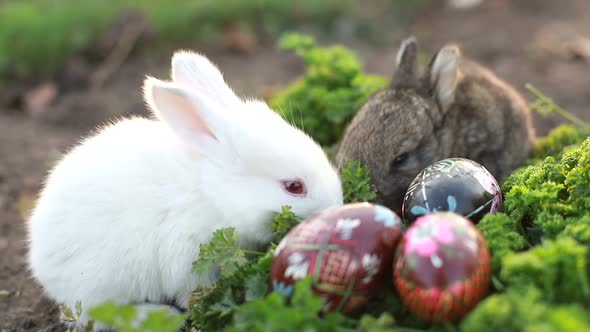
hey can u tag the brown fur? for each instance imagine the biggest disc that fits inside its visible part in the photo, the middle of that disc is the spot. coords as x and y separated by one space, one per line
485 120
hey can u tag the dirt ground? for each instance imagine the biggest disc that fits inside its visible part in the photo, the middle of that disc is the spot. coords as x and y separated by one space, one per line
535 41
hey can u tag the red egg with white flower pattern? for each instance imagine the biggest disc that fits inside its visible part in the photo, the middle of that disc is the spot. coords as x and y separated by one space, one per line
346 250
442 267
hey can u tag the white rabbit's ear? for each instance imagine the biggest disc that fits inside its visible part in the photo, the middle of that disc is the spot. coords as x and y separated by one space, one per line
191 115
200 74
444 75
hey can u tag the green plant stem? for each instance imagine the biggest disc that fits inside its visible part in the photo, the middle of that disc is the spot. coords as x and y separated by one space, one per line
548 102
497 283
253 252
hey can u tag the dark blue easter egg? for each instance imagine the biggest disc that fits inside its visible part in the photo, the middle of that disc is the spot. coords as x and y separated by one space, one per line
457 185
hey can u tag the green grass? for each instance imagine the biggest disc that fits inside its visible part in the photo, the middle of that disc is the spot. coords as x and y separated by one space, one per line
36 36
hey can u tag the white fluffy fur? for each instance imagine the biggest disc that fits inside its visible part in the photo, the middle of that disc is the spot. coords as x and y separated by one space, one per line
199 73
122 215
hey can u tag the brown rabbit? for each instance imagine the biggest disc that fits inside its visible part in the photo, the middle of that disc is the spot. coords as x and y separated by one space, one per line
455 109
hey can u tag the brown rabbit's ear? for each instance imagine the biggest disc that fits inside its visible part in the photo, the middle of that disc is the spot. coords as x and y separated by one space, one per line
442 75
405 74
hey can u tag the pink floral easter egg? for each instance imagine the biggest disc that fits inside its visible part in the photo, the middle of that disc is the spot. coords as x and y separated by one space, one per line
347 250
442 267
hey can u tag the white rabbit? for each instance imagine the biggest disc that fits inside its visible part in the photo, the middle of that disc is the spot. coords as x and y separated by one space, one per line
122 215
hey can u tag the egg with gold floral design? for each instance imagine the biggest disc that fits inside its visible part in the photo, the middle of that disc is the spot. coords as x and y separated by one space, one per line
442 267
347 250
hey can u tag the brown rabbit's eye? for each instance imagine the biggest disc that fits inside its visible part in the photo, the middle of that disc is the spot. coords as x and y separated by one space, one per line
294 187
399 160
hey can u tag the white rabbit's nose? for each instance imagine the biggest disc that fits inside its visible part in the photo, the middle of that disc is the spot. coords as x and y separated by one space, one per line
337 200
331 200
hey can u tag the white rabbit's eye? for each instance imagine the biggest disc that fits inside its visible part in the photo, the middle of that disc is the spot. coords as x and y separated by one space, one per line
294 187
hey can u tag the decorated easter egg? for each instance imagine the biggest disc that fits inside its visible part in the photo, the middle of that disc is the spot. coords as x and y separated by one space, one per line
442 267
455 185
347 250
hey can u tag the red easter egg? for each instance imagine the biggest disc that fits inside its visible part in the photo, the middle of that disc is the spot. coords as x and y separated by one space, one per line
347 250
442 267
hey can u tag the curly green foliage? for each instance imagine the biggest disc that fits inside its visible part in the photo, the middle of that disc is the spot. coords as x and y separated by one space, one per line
579 231
524 311
356 183
384 323
559 139
329 94
547 211
558 268
213 308
277 313
221 250
545 198
283 222
124 319
503 237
